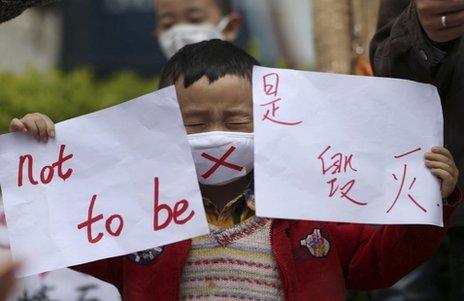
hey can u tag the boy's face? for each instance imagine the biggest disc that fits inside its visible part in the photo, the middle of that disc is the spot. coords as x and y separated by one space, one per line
174 12
225 105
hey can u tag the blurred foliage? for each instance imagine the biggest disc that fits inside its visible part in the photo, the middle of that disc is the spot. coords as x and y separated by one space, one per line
65 95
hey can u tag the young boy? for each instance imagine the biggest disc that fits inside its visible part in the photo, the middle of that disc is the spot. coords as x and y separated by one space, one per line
247 257
183 22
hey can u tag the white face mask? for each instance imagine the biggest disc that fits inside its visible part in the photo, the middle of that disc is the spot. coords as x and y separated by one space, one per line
222 157
173 39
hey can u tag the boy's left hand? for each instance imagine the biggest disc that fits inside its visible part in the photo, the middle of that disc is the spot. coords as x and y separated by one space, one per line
441 164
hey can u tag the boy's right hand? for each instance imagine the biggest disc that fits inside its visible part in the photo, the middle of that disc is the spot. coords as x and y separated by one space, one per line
38 125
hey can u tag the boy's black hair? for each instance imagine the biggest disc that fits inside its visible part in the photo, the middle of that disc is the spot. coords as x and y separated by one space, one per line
225 6
213 59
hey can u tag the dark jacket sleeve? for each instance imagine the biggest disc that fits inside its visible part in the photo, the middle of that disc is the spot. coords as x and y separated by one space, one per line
378 256
401 49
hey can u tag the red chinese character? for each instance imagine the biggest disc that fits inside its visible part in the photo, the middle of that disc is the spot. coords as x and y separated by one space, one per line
271 84
340 164
271 114
344 191
403 182
339 161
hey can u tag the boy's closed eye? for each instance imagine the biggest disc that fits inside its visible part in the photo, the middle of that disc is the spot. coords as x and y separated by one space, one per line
197 15
166 21
194 125
238 123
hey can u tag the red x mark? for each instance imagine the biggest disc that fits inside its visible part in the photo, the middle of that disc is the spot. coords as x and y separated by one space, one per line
220 162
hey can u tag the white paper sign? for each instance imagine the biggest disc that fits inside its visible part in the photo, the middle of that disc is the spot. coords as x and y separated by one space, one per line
62 284
345 148
113 182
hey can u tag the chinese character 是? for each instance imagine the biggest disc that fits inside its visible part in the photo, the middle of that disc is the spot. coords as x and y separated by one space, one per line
271 88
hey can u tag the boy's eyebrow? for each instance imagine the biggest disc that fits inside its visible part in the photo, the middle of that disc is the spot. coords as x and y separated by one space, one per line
237 111
195 9
195 112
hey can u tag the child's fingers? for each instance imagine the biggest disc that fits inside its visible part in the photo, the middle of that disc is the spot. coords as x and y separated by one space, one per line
31 126
445 176
443 166
42 128
448 182
50 126
443 151
16 125
439 158
38 125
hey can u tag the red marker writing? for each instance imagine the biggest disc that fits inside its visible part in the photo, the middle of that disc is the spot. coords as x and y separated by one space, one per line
47 172
91 219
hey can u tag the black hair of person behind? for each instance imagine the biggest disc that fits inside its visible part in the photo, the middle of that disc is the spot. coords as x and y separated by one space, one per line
213 59
10 9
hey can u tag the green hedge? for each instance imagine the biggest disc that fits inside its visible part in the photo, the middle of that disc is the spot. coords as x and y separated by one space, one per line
65 95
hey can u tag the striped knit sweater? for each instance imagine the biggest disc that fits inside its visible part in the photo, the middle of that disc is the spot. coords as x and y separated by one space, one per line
233 264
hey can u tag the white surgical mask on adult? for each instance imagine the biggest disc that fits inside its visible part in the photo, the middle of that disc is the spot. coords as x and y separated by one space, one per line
173 39
222 157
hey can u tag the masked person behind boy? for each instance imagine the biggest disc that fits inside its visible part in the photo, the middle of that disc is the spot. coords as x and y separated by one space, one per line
248 257
183 22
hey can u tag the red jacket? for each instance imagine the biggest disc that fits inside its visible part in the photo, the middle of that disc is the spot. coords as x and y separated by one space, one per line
359 257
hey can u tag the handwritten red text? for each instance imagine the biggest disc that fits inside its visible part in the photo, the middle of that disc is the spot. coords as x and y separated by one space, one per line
114 224
271 88
172 214
335 164
91 219
47 172
403 184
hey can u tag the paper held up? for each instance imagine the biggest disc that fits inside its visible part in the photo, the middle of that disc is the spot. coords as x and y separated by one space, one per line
113 182
345 148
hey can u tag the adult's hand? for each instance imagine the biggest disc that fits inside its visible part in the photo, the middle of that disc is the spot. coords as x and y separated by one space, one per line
6 279
442 20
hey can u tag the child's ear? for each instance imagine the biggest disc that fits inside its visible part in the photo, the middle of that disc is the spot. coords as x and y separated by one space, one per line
233 28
